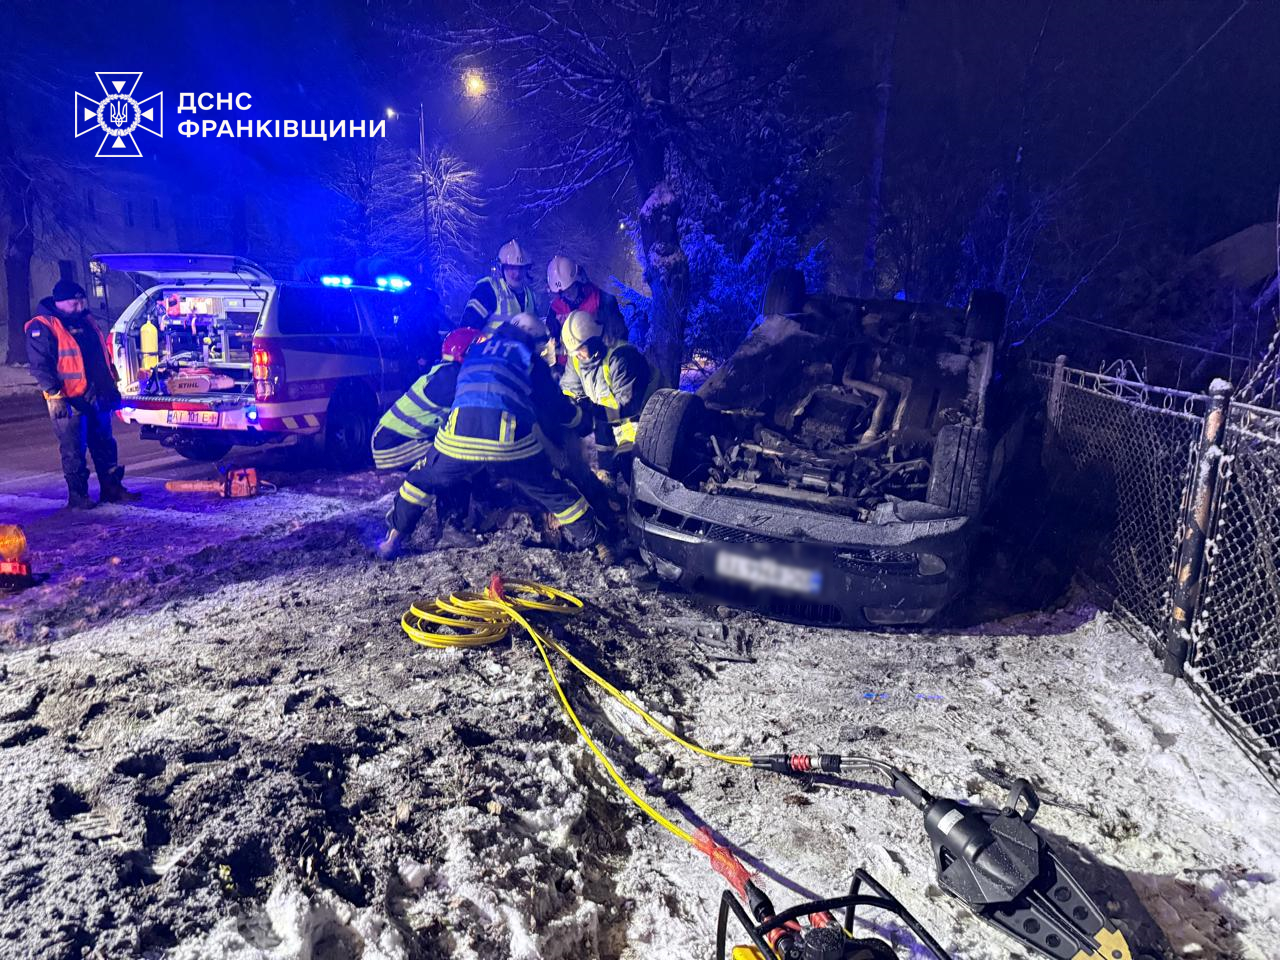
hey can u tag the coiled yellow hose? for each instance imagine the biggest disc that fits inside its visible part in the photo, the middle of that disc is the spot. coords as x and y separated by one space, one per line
475 619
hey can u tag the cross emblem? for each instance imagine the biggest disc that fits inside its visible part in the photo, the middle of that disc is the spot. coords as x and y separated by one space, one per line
118 114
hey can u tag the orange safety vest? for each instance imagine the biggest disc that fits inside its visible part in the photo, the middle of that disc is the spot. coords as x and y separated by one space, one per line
70 360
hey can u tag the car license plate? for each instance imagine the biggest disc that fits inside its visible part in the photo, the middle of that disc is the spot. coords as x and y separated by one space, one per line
192 418
764 572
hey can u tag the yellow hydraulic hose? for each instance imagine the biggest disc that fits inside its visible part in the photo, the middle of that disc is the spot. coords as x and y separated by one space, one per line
476 619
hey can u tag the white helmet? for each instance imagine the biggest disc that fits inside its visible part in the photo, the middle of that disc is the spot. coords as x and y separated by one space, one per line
562 273
512 255
535 327
579 327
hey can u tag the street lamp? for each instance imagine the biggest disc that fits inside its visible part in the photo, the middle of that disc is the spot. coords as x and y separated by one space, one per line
422 158
474 84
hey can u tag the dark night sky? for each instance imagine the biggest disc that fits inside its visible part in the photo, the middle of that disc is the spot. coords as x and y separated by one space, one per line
1202 158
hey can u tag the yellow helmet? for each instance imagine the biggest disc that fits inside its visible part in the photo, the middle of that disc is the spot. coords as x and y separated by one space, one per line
562 273
513 255
579 327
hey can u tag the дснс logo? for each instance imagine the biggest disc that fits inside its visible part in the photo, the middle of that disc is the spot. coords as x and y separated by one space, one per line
118 114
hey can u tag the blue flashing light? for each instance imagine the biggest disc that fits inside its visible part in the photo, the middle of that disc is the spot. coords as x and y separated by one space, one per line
394 282
332 280
346 281
252 415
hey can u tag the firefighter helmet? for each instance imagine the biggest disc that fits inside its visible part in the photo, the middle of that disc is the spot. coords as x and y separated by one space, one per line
562 273
579 327
457 343
527 323
513 255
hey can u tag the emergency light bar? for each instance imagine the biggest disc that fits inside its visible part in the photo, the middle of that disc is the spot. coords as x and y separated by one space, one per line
393 283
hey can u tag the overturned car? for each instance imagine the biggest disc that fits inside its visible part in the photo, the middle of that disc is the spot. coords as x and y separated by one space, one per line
835 470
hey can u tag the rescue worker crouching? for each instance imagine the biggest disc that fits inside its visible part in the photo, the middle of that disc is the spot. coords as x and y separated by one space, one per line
72 365
404 434
504 391
616 378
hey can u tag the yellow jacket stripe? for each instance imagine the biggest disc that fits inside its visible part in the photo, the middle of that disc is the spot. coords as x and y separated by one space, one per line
414 495
572 513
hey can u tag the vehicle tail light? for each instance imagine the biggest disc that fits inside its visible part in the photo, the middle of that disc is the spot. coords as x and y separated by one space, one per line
268 374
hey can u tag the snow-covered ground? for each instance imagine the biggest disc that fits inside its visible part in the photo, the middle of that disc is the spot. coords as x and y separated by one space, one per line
216 742
15 380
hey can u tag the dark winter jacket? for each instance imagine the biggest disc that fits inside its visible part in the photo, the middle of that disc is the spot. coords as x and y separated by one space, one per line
620 382
42 353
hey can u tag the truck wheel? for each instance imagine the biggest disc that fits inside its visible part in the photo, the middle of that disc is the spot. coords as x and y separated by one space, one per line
665 435
204 447
784 293
348 429
958 474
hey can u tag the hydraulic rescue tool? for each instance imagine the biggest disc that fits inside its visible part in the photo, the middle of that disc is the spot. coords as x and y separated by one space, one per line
995 862
234 483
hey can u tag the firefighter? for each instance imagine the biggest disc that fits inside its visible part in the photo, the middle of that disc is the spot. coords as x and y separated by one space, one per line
504 391
404 434
571 290
72 365
503 296
615 377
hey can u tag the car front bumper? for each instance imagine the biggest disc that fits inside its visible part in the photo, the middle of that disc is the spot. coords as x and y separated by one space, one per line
799 564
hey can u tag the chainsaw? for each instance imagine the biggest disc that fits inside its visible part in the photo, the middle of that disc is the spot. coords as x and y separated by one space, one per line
234 483
994 862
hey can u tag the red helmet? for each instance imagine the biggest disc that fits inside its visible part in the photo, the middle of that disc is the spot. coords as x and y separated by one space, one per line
457 343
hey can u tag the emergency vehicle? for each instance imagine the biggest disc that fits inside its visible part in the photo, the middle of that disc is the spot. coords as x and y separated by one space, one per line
214 352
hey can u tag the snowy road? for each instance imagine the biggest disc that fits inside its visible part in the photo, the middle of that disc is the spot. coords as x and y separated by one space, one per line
216 742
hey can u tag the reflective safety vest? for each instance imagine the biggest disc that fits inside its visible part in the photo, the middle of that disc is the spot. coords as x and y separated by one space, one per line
508 302
493 416
70 360
597 384
414 415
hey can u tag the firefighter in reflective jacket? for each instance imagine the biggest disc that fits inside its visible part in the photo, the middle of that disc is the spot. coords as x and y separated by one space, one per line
615 377
504 391
72 365
502 297
405 432
571 290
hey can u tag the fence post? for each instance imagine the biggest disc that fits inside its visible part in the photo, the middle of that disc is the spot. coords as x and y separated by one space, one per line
1054 411
1195 530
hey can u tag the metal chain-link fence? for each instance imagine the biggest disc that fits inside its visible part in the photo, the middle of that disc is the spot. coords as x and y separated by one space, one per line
1236 650
1135 463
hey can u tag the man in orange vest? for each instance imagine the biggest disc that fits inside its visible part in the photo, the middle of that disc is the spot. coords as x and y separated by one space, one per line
72 364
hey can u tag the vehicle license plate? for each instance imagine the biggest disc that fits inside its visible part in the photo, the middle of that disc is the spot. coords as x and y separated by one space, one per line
192 418
764 572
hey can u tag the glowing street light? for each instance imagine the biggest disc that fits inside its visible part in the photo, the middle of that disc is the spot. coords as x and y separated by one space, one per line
474 84
391 114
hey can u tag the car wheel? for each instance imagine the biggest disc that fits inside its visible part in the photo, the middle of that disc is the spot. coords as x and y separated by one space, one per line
201 446
958 474
348 429
665 433
784 293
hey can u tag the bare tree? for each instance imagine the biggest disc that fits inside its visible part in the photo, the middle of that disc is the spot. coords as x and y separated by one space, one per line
638 93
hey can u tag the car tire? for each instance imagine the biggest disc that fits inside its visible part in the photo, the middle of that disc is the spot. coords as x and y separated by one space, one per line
959 471
202 447
667 425
784 293
348 429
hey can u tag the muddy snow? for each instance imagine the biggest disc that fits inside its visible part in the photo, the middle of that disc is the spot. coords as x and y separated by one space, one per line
216 742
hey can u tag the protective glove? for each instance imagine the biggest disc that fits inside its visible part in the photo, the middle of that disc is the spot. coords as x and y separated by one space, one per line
59 408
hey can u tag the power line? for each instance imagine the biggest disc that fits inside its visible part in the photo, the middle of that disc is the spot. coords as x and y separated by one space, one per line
1159 90
1161 340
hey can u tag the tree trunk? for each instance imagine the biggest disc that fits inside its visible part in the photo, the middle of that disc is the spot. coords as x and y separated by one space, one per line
666 268
875 176
19 245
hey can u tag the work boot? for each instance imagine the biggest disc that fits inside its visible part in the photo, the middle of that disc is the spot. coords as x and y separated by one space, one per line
113 490
79 501
391 546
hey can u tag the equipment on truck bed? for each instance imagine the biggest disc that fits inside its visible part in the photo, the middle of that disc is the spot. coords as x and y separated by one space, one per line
995 863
